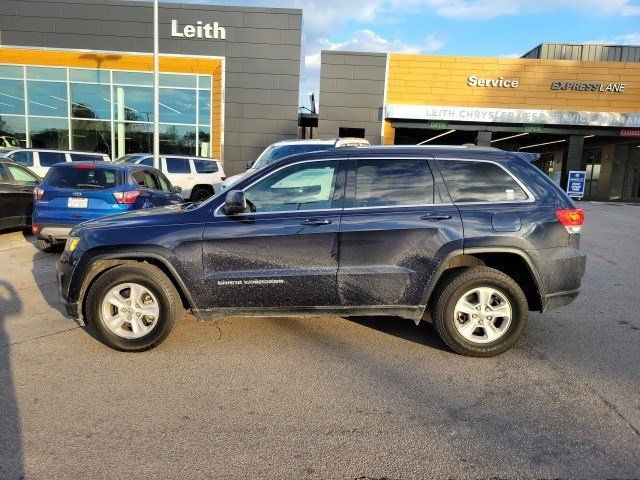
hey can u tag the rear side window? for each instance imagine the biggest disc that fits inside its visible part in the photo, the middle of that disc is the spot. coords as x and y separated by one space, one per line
86 157
82 178
23 158
205 166
47 159
145 179
472 181
178 165
392 182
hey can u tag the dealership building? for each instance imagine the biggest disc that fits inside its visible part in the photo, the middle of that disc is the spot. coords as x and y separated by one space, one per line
577 105
77 74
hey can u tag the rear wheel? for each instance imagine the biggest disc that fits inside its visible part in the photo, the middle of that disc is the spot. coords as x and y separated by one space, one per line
201 193
133 307
480 312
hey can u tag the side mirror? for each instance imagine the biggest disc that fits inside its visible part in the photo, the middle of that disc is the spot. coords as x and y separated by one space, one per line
235 203
250 164
176 189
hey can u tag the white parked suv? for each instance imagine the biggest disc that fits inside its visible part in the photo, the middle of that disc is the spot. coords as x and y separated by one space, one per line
40 160
278 150
198 177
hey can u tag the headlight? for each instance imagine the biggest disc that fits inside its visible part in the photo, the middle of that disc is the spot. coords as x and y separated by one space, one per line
72 243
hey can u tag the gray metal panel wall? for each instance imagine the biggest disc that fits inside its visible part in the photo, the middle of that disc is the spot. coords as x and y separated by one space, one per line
351 93
586 52
262 52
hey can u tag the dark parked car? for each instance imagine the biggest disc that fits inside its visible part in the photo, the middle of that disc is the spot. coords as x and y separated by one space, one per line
475 237
16 195
72 193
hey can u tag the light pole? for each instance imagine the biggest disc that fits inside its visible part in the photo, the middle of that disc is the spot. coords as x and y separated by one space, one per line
156 88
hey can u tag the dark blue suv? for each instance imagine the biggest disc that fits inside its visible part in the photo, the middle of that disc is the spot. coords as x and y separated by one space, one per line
470 238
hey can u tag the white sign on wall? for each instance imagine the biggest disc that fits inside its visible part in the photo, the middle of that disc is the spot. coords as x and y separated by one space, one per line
511 115
200 30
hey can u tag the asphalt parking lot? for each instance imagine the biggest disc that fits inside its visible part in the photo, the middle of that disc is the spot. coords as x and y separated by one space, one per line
325 398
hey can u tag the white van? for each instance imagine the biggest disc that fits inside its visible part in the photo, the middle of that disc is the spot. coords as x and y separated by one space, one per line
198 177
39 160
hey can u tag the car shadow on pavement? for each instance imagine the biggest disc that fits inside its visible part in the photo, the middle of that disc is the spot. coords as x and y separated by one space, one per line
422 334
44 275
11 462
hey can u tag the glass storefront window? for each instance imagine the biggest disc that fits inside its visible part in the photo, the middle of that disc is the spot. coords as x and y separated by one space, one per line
133 78
91 136
204 105
204 81
133 103
12 97
178 80
12 131
50 133
89 76
47 99
90 101
177 106
204 142
133 138
177 139
11 71
47 73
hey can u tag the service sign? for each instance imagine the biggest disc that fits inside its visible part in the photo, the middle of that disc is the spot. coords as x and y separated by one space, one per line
576 183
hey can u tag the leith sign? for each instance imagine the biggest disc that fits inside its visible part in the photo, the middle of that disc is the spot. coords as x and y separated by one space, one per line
199 30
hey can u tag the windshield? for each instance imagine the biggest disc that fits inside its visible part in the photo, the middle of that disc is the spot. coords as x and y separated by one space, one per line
276 152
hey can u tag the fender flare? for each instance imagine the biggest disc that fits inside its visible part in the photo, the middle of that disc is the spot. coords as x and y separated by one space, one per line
83 280
471 251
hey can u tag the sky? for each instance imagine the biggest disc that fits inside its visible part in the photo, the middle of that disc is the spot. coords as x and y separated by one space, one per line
507 28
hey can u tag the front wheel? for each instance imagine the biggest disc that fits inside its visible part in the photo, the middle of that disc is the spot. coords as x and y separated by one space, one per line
480 312
132 307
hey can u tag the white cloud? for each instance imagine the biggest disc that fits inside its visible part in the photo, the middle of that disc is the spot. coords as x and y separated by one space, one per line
485 9
626 39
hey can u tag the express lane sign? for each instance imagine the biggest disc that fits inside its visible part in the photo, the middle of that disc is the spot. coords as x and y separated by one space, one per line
576 184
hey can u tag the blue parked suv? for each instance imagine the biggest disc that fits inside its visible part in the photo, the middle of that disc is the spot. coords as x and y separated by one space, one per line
72 193
469 238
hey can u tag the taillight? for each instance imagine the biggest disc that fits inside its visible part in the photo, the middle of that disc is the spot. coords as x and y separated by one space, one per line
571 218
35 229
38 193
127 197
84 166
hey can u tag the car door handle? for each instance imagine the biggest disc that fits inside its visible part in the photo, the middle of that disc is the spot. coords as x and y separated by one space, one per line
315 222
436 216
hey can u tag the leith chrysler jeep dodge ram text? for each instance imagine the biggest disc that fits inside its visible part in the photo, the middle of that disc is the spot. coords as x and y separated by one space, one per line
476 237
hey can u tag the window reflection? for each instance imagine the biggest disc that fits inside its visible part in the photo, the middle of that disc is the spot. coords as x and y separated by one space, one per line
47 98
90 101
177 106
52 133
12 131
12 97
177 139
393 182
479 182
91 136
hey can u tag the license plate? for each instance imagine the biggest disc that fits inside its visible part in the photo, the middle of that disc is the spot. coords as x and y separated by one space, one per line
77 202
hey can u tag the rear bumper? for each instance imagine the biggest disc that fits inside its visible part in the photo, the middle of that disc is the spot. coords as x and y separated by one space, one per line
54 233
561 299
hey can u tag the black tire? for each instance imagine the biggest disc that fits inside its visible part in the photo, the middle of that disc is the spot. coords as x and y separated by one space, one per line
459 283
199 194
149 276
48 247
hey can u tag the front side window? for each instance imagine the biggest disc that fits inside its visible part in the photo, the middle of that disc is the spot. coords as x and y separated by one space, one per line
178 165
303 186
393 182
48 159
165 184
471 181
22 176
23 158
